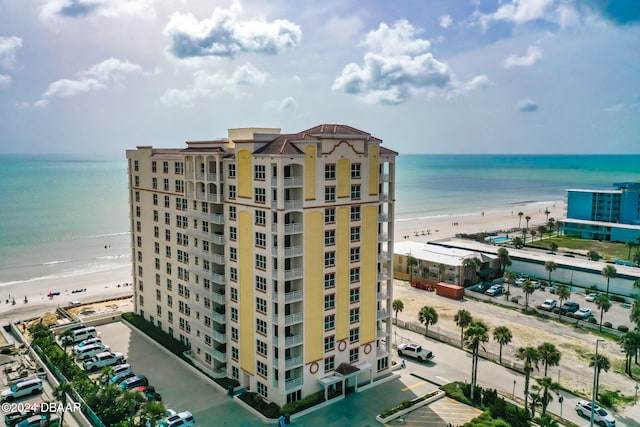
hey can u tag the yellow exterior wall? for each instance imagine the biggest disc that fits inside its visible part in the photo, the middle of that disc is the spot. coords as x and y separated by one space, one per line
314 286
310 173
368 274
343 236
244 173
374 153
344 178
246 297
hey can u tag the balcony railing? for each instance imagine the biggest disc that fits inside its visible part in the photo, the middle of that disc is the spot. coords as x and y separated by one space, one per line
293 383
382 296
294 273
218 317
217 238
219 336
211 177
217 278
382 314
383 197
383 177
289 319
382 334
293 362
218 298
293 181
383 218
288 228
383 256
217 258
293 340
382 275
288 251
217 219
289 297
383 237
219 356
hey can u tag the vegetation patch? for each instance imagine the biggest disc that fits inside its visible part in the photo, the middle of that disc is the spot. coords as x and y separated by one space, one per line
155 333
269 410
607 250
406 405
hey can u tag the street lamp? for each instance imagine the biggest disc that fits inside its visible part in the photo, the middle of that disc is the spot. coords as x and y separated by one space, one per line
595 373
513 394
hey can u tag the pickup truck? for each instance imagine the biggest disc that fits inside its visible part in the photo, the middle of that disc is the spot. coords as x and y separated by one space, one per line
414 350
101 360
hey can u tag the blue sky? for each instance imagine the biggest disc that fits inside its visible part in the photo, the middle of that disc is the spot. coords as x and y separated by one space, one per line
95 77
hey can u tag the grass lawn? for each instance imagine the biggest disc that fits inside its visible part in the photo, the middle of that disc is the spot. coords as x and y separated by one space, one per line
607 250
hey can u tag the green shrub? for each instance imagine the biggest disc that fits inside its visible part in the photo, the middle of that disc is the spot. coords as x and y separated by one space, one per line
608 398
592 320
617 298
302 404
269 410
607 325
623 328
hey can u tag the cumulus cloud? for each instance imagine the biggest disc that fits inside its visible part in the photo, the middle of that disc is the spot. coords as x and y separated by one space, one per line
287 104
8 48
206 85
56 9
104 75
519 12
397 65
5 81
226 33
446 21
527 106
532 56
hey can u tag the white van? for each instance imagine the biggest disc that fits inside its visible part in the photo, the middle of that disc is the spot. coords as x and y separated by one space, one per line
21 389
82 334
91 350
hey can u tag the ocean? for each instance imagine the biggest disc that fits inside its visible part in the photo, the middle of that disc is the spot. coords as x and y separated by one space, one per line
66 217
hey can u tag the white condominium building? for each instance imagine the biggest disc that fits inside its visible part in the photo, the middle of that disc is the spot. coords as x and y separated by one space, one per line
269 255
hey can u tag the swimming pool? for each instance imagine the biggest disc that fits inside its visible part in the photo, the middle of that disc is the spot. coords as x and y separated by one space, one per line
499 239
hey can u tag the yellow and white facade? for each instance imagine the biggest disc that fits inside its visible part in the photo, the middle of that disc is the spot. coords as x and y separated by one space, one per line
269 255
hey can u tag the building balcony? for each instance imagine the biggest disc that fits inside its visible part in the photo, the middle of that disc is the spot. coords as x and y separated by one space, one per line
219 356
289 297
383 197
218 298
212 177
383 256
382 334
289 341
217 258
382 276
383 177
288 228
382 314
214 197
381 352
382 296
219 336
288 205
289 251
218 317
293 181
383 218
293 362
217 219
218 278
293 383
383 237
290 319
294 273
203 216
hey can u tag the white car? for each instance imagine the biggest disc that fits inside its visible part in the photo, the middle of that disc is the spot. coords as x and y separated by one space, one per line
495 290
548 304
183 419
21 389
101 360
85 343
591 297
600 416
583 313
414 350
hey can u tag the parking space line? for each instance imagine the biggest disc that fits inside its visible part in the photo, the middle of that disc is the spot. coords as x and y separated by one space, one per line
414 385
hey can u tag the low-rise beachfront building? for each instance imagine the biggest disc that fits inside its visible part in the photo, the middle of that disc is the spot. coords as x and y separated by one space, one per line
610 215
269 255
439 264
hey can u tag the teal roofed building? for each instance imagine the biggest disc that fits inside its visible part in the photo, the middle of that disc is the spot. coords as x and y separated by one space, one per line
609 215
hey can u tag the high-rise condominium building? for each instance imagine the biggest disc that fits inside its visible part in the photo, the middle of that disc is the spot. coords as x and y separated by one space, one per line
269 255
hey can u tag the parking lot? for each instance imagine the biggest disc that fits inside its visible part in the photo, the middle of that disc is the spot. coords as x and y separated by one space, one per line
182 387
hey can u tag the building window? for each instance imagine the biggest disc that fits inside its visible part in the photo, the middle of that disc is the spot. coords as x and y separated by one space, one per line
139 241
330 171
259 172
329 302
261 368
354 275
261 305
329 194
232 170
179 186
234 334
233 213
233 274
232 191
167 235
234 294
261 347
329 343
329 280
155 200
154 166
165 167
234 314
354 254
138 211
355 170
355 234
234 353
167 218
355 191
329 364
261 217
233 253
329 322
383 363
329 216
233 233
170 316
354 315
355 213
329 259
179 168
168 268
136 181
166 184
262 389
159 310
261 326
354 335
156 231
261 284
261 240
330 237
261 262
354 355
354 295
137 196
260 195
167 201
138 226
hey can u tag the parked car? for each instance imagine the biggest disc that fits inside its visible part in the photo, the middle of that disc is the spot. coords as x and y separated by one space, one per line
552 289
21 389
600 416
13 418
583 313
414 350
181 419
570 307
548 304
495 290
118 378
47 420
101 360
591 297
519 281
134 382
91 350
149 392
76 348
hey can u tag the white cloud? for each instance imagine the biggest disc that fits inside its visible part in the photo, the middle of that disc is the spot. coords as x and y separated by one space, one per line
527 106
8 48
561 12
446 21
225 34
287 104
397 65
56 9
532 56
104 75
207 85
5 81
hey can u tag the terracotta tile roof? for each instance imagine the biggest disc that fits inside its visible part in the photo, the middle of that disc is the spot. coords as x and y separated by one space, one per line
203 149
338 129
280 145
384 150
346 369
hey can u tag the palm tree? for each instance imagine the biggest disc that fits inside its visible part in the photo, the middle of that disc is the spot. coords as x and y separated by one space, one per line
65 339
476 334
429 316
550 266
527 218
630 244
630 343
601 364
131 401
510 277
473 263
463 319
397 306
528 288
503 259
153 412
604 304
546 384
530 357
546 214
502 334
61 393
547 421
106 374
520 214
609 272
563 295
554 247
593 255
549 355
634 316
411 263
518 243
